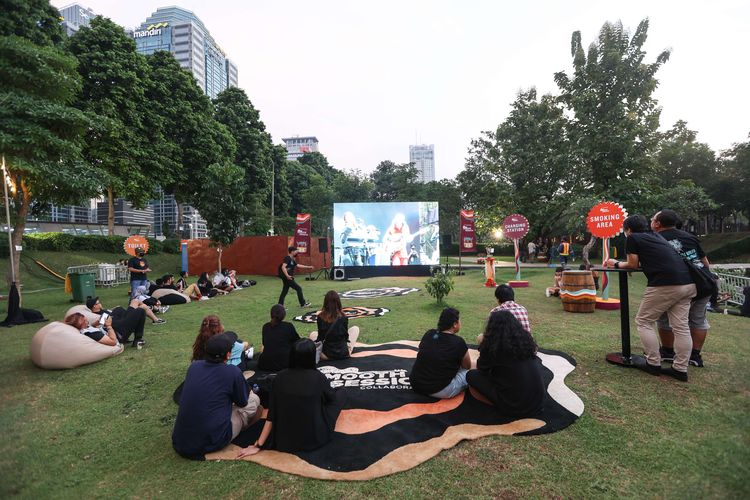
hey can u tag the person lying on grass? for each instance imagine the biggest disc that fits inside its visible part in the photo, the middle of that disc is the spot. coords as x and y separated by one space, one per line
126 322
302 409
216 403
508 375
443 359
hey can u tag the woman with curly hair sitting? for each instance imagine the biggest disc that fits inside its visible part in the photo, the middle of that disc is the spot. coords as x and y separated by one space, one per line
508 373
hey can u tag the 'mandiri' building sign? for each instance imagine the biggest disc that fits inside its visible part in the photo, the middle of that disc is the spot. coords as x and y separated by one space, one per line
152 30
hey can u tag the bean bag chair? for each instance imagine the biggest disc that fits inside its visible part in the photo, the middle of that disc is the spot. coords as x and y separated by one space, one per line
169 297
81 308
58 346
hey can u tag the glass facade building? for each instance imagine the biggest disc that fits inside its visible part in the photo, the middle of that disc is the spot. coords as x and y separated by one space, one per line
74 16
182 33
423 157
298 146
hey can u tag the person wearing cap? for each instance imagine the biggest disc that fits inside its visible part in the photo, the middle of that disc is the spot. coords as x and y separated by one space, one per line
215 405
139 270
286 273
125 322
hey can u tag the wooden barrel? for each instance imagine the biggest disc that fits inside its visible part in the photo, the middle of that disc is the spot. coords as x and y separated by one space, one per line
577 291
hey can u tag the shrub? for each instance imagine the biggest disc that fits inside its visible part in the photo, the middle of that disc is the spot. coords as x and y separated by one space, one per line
731 250
440 284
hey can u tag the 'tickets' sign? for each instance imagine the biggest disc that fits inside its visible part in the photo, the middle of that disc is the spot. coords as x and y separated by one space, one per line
302 233
468 234
134 242
605 219
516 226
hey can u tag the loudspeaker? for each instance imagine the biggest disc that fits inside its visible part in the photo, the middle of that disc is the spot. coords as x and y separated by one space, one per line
447 240
323 245
339 274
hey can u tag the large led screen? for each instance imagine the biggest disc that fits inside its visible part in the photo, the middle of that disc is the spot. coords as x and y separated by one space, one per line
386 234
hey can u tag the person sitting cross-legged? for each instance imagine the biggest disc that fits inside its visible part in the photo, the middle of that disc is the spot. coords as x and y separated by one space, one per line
443 359
303 406
279 337
215 405
508 374
334 338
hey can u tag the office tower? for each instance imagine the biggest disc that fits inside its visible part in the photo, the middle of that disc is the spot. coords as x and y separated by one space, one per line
182 33
125 214
297 146
423 157
74 16
166 215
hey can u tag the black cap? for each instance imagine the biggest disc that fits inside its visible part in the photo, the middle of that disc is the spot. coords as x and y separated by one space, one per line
232 336
217 347
91 302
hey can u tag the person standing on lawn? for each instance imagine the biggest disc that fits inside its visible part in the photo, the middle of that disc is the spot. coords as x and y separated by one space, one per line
669 289
139 270
286 273
688 245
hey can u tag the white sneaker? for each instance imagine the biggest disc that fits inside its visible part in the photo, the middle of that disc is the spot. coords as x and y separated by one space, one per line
204 298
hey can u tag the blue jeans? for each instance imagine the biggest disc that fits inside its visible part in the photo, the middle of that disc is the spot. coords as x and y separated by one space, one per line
134 284
455 387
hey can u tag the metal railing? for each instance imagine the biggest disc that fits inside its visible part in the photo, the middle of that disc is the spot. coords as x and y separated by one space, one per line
731 285
105 274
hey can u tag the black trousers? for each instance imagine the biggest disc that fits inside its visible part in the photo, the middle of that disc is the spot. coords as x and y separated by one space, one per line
127 322
287 285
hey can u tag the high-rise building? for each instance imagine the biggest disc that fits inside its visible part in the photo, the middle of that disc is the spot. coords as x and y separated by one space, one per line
125 214
74 16
297 146
423 157
182 33
166 215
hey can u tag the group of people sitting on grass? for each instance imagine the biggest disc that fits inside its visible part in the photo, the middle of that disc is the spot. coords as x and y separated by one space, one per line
216 403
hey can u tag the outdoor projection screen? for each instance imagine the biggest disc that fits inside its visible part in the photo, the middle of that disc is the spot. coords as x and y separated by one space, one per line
386 234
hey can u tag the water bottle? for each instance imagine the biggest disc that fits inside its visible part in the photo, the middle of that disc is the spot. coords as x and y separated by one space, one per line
256 389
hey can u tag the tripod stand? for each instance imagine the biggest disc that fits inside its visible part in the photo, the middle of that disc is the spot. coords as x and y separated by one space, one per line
323 248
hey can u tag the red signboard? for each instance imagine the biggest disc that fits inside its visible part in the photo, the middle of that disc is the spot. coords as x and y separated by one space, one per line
468 233
134 242
605 219
302 233
515 226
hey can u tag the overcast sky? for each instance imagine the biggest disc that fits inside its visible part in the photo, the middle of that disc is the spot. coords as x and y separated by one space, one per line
370 78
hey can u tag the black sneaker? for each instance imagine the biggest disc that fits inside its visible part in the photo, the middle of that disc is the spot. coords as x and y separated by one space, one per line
159 321
667 354
696 360
641 363
139 344
306 304
671 372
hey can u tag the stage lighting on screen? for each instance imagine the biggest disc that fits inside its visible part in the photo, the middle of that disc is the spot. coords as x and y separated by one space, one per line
386 234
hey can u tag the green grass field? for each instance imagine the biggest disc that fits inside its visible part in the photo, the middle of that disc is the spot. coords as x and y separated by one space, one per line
104 430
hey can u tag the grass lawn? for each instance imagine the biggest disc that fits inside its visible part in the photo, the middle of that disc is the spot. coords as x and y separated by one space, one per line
105 430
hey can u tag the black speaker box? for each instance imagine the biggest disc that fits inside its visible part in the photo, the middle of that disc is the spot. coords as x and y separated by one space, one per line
447 240
323 245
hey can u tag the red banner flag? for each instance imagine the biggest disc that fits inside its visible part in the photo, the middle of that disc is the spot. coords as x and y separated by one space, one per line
468 234
302 233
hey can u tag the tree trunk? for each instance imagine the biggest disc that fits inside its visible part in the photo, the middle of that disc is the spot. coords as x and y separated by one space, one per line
24 203
111 211
586 249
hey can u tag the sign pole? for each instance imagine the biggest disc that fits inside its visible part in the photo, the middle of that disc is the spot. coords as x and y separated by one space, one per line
516 226
518 258
605 221
605 275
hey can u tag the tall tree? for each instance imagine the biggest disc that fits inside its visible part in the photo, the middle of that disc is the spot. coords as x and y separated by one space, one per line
320 165
353 186
732 184
680 157
531 161
254 152
121 144
394 182
192 137
34 20
221 202
614 114
40 132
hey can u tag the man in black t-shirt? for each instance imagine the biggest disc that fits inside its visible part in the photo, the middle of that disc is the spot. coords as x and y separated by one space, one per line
670 289
286 273
139 269
664 223
443 359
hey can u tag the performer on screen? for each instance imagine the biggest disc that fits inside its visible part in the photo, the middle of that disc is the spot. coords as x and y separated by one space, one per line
354 240
286 273
395 240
